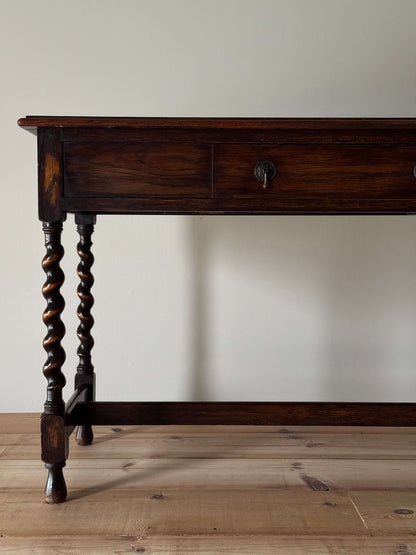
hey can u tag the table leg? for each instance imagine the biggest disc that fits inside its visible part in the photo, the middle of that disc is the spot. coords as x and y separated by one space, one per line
53 435
85 375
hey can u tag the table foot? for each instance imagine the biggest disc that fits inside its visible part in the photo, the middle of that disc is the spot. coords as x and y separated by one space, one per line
84 435
55 490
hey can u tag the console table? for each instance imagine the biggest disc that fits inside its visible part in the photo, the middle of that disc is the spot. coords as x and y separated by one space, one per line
100 165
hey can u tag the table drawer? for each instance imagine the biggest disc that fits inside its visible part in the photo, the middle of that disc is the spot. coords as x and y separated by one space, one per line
120 169
316 171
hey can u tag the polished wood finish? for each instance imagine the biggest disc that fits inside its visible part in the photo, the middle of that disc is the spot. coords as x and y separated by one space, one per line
54 439
265 124
85 375
137 170
91 165
55 305
317 172
245 413
50 175
205 165
244 205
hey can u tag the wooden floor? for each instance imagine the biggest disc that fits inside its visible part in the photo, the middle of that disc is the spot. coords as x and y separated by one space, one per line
213 489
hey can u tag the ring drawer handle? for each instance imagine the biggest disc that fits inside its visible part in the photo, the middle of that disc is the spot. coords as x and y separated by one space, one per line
265 171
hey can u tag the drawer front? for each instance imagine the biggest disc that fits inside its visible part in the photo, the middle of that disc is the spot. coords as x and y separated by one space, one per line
315 172
137 170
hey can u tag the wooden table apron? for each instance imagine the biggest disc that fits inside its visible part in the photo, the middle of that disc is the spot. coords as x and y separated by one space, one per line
91 166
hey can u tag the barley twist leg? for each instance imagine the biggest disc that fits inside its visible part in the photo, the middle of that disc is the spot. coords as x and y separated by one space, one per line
85 371
54 442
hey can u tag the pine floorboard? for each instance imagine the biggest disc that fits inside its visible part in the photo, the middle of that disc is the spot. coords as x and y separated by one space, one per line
213 489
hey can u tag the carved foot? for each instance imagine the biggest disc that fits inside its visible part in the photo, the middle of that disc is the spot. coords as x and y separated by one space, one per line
55 490
84 435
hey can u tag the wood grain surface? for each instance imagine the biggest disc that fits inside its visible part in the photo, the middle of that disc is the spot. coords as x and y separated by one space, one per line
213 489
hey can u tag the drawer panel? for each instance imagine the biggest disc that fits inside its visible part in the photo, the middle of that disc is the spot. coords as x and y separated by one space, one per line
316 171
117 169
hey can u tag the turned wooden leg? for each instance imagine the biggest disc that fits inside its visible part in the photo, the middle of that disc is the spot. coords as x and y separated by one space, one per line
85 375
54 441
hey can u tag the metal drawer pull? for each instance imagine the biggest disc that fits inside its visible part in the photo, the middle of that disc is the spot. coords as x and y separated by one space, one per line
265 171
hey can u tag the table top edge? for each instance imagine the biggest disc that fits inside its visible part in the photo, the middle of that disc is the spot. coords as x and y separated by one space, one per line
31 123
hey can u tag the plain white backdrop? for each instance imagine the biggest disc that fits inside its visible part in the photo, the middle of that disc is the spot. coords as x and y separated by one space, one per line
211 308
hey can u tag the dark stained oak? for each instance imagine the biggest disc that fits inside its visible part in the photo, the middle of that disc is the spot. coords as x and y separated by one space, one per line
55 489
85 375
132 169
54 439
79 394
106 165
50 175
205 165
245 413
33 122
316 172
244 204
317 134
55 305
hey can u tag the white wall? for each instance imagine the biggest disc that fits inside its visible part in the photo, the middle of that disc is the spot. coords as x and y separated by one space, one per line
320 308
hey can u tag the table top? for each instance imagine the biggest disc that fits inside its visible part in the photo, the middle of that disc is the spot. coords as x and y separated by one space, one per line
33 122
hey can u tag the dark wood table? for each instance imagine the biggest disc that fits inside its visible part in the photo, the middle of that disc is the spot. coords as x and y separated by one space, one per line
92 166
